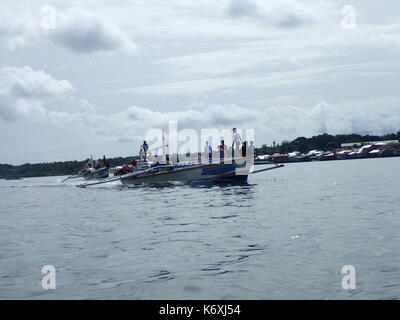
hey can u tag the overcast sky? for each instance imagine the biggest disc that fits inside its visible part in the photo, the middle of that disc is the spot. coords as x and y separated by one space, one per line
95 80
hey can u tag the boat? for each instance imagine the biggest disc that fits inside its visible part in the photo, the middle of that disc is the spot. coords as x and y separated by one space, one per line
100 173
233 172
146 172
91 172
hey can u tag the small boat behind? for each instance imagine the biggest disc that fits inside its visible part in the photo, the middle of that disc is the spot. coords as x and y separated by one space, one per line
100 173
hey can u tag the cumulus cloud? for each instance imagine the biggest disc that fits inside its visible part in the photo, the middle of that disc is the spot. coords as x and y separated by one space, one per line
29 83
270 122
76 29
23 92
26 95
18 28
84 32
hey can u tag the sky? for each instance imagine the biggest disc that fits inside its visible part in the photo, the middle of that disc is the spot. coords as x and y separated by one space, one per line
92 77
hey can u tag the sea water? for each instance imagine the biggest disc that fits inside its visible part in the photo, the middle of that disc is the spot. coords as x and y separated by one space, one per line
286 234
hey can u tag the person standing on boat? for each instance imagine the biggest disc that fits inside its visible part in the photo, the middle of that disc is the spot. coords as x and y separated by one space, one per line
208 152
97 164
223 148
143 149
250 150
236 142
105 162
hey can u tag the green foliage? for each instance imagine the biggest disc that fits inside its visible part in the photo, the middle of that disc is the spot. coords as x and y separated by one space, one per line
49 169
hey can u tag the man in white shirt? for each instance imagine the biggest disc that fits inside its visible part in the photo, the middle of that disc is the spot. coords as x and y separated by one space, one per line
208 152
236 142
143 150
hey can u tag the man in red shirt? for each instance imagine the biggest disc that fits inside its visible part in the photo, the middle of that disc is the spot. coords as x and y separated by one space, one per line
222 149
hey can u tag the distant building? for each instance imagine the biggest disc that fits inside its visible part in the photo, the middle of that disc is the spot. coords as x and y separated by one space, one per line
359 144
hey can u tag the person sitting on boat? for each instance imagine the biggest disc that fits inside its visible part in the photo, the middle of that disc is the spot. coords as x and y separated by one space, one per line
143 150
223 148
236 142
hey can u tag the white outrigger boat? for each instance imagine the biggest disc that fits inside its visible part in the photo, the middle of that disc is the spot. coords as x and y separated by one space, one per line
223 170
233 172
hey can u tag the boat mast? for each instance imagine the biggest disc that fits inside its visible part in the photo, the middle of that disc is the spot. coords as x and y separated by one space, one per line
164 147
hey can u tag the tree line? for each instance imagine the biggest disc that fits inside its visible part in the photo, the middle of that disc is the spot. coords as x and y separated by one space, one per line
60 168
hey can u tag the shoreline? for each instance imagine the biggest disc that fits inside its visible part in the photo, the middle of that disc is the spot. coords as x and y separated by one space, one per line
21 177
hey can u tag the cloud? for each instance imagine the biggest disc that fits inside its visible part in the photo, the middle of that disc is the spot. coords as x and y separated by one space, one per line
26 95
282 14
25 82
269 122
23 92
271 79
76 29
84 32
242 8
285 51
18 28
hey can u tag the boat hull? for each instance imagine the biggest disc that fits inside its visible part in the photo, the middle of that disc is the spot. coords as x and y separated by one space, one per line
194 173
